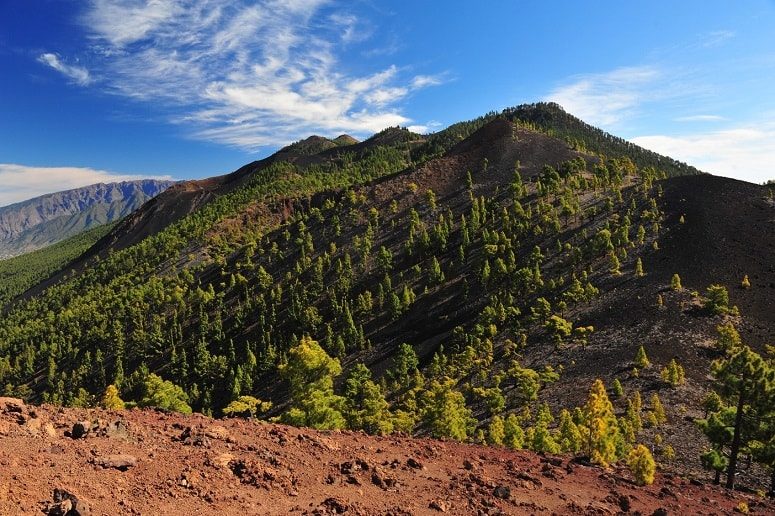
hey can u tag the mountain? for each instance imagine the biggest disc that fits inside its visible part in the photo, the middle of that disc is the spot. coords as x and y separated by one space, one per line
45 220
471 284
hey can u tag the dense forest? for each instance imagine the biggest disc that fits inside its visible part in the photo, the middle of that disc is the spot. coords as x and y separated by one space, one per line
417 284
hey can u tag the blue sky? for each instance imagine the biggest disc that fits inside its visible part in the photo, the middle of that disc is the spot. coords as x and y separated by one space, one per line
104 90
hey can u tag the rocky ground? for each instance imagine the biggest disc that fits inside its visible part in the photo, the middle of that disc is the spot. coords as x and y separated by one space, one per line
87 461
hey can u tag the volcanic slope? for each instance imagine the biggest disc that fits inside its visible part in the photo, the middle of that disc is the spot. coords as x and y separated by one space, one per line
148 462
506 264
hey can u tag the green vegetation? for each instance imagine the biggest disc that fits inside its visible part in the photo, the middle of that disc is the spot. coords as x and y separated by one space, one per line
641 463
22 272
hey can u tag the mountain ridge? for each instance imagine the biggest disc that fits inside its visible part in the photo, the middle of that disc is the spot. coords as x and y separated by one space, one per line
36 223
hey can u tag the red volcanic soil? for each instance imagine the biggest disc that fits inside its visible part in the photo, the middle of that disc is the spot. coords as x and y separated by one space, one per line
149 462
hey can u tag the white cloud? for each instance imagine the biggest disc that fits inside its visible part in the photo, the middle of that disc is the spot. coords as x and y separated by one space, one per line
607 98
20 182
78 74
423 81
700 118
745 152
247 74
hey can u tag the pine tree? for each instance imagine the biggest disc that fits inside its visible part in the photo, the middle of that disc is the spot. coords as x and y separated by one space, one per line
445 412
641 463
658 409
246 406
164 394
639 268
617 389
717 299
673 373
365 407
747 382
569 437
641 359
514 436
311 373
675 282
496 431
111 400
600 430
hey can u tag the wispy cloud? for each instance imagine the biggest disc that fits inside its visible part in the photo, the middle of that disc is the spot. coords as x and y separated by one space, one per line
716 38
606 98
700 118
22 182
77 74
247 74
745 152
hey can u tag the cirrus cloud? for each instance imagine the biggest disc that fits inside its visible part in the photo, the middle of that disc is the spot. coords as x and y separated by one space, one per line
77 74
245 74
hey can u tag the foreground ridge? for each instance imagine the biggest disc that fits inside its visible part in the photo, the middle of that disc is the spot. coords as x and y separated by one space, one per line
148 462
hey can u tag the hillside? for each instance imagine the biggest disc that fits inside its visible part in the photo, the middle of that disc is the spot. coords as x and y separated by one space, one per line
147 462
471 285
22 272
51 218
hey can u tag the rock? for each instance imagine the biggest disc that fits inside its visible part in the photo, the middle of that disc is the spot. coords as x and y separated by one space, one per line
116 430
49 430
67 504
121 462
333 506
80 429
467 464
33 426
414 464
12 406
624 503
660 512
554 461
217 432
503 492
194 437
439 505
380 479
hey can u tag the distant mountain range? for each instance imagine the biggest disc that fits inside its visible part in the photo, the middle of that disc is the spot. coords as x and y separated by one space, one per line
45 220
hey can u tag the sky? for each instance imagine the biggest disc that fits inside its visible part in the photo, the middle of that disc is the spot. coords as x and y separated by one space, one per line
103 90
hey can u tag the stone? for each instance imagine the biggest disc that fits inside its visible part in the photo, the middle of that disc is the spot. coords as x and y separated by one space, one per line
503 492
439 505
67 504
414 464
80 430
121 462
